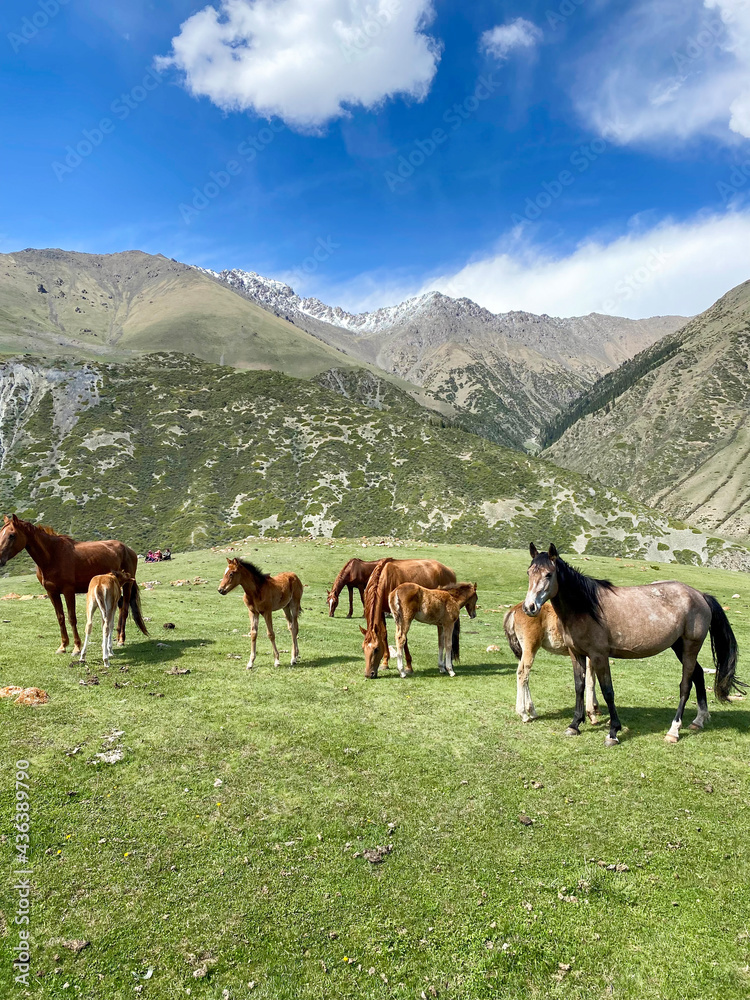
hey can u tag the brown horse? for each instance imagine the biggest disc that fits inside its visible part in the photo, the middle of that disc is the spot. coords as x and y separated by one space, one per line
599 620
442 608
386 576
263 595
526 636
65 567
105 593
355 573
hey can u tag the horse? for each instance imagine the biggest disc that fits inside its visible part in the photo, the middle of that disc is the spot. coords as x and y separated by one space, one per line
386 576
263 595
526 636
355 573
65 567
105 593
440 607
599 620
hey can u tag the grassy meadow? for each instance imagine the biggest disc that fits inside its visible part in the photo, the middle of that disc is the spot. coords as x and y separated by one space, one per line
223 855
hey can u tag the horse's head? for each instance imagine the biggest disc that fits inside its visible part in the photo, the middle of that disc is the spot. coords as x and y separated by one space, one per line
333 603
373 647
12 538
231 576
471 604
542 579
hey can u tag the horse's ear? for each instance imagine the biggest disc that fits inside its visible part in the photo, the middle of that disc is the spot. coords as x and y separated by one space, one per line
533 550
363 630
14 518
229 561
552 551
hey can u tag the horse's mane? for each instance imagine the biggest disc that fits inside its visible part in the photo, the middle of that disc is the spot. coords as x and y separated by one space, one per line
373 598
457 588
259 577
582 593
338 584
46 529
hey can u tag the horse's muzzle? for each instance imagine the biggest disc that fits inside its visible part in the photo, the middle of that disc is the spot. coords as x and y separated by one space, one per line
532 610
221 590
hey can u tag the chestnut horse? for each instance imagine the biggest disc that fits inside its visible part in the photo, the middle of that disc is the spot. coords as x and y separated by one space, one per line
65 567
263 595
386 576
355 573
599 620
526 636
410 602
105 593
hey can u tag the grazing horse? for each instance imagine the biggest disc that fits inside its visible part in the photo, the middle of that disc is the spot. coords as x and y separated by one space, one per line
105 593
263 595
355 573
526 636
599 620
386 576
441 607
65 567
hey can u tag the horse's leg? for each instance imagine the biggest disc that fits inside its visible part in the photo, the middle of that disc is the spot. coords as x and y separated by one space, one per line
127 589
448 646
600 665
524 704
253 636
350 588
700 690
402 630
408 668
441 651
579 677
268 615
90 607
689 656
108 619
361 590
291 621
70 602
592 705
54 596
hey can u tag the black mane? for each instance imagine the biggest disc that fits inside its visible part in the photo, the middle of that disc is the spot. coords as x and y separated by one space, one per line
582 593
259 577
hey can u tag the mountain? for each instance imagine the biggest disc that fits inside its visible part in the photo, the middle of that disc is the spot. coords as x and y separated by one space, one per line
170 450
672 426
506 374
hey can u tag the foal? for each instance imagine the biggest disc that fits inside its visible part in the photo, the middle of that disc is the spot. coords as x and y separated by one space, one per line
526 636
263 595
106 593
433 607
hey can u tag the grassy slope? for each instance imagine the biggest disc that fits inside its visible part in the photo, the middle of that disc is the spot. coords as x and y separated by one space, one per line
674 432
140 858
211 453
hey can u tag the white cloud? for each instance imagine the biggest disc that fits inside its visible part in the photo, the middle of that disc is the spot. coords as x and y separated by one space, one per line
675 268
671 69
306 62
502 39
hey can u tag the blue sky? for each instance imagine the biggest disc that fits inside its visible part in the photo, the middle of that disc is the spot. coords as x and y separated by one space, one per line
565 156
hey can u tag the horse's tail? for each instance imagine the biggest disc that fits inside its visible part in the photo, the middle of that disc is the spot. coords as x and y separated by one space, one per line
135 607
456 643
724 649
509 624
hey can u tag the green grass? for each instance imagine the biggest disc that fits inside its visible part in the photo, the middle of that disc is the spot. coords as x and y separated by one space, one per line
257 879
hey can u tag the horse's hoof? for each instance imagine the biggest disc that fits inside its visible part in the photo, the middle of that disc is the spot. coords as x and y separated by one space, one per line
611 741
595 720
120 643
670 738
62 649
451 673
696 728
571 731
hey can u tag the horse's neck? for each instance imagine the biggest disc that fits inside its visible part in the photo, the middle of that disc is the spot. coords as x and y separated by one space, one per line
250 587
39 545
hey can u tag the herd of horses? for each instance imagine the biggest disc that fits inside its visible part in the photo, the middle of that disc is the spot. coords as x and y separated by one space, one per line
564 612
